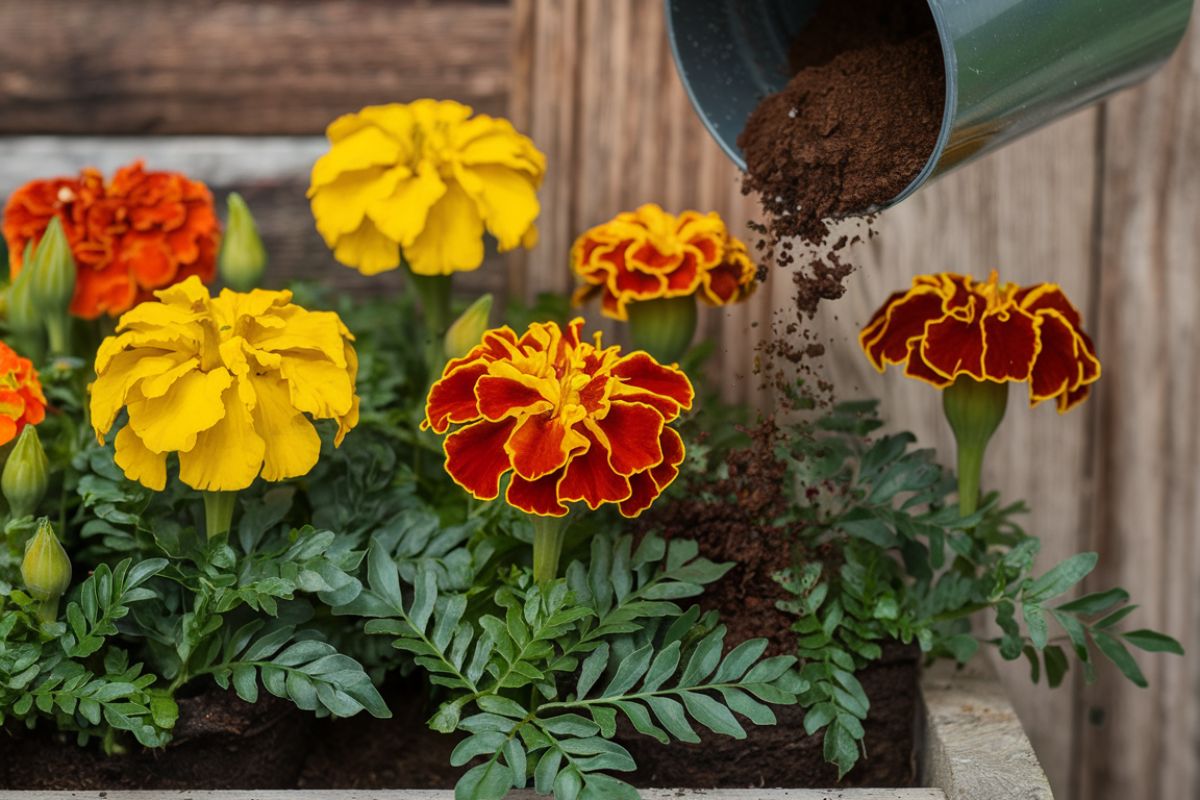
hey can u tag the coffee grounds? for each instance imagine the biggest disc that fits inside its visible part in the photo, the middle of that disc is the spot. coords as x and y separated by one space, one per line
854 125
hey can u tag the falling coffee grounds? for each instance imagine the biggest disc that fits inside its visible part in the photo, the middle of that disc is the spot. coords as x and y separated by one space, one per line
853 127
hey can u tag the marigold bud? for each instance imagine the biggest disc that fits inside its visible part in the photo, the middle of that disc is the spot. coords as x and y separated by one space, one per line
663 327
467 331
243 258
46 570
25 474
23 318
52 280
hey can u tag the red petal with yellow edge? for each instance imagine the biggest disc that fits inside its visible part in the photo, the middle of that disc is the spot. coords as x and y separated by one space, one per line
1048 296
1010 345
917 368
497 344
452 399
887 341
591 396
668 470
953 347
647 257
1057 367
1089 365
1070 399
643 492
644 380
686 277
637 284
590 478
536 497
499 397
631 434
475 457
540 445
722 284
708 247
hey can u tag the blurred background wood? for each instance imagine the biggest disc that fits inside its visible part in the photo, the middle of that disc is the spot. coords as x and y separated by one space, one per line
1103 203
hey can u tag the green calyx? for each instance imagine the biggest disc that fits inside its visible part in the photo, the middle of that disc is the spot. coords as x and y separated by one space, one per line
46 570
664 327
242 259
974 410
51 285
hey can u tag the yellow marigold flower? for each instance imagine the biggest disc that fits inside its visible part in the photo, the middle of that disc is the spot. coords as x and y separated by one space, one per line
226 383
424 179
649 254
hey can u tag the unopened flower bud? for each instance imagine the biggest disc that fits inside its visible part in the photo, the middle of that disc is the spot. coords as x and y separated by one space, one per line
467 331
25 474
23 318
663 327
243 258
46 570
52 281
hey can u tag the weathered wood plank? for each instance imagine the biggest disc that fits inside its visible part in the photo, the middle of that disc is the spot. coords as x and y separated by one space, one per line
975 747
246 66
1147 501
271 173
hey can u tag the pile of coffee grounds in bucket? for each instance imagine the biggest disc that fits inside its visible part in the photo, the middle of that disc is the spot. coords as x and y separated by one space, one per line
856 123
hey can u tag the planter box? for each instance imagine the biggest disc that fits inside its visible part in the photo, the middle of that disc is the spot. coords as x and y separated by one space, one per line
971 747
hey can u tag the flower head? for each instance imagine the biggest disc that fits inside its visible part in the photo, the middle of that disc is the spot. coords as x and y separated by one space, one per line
572 421
140 232
947 326
649 254
21 400
226 383
424 179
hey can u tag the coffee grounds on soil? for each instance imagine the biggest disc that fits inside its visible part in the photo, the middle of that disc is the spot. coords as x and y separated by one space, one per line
852 128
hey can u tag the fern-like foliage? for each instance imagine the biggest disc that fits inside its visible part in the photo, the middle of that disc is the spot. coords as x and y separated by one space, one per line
539 678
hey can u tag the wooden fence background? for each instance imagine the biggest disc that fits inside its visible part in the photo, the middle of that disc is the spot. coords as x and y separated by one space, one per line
237 93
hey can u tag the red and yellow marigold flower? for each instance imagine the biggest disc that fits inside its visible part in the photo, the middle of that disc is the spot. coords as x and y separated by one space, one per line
139 232
572 421
649 254
948 325
424 180
21 400
228 383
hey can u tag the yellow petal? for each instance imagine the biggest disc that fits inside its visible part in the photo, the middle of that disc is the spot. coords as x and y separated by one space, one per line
227 456
401 216
364 148
452 239
314 331
433 113
394 118
368 250
172 421
500 146
111 388
346 423
292 444
508 199
139 463
340 207
158 385
317 386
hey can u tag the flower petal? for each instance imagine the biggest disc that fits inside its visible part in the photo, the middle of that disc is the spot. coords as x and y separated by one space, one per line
1057 367
538 497
953 346
367 250
644 380
172 421
630 433
452 398
541 444
1010 344
903 317
138 462
475 456
366 147
292 444
508 199
228 456
402 215
501 397
452 239
590 478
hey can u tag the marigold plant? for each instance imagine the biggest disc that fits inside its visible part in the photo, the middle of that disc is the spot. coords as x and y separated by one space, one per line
649 254
424 180
974 338
226 383
139 232
21 399
570 419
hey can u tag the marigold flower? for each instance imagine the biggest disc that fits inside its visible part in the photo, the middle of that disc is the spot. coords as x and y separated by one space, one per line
140 232
573 421
649 254
424 179
224 382
948 325
21 400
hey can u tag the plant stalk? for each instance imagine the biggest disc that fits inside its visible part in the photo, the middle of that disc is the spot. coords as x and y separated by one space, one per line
974 410
218 512
548 536
434 292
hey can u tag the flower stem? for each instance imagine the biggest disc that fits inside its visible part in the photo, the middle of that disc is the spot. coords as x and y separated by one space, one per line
664 327
58 327
974 410
47 610
434 292
218 512
548 536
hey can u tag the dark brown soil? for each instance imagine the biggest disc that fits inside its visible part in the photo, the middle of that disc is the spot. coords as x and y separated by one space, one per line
220 743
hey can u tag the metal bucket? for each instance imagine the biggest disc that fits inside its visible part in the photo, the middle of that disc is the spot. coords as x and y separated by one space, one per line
1011 65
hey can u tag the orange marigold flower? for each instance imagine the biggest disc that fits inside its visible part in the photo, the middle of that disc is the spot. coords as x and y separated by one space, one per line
573 421
140 232
649 254
948 325
21 400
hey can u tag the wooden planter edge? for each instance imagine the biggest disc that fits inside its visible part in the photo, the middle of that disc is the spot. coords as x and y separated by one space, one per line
971 747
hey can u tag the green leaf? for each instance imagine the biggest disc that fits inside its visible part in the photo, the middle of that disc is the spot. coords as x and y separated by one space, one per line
1119 655
1062 577
593 667
490 781
1096 602
1035 620
1056 665
1153 641
712 715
